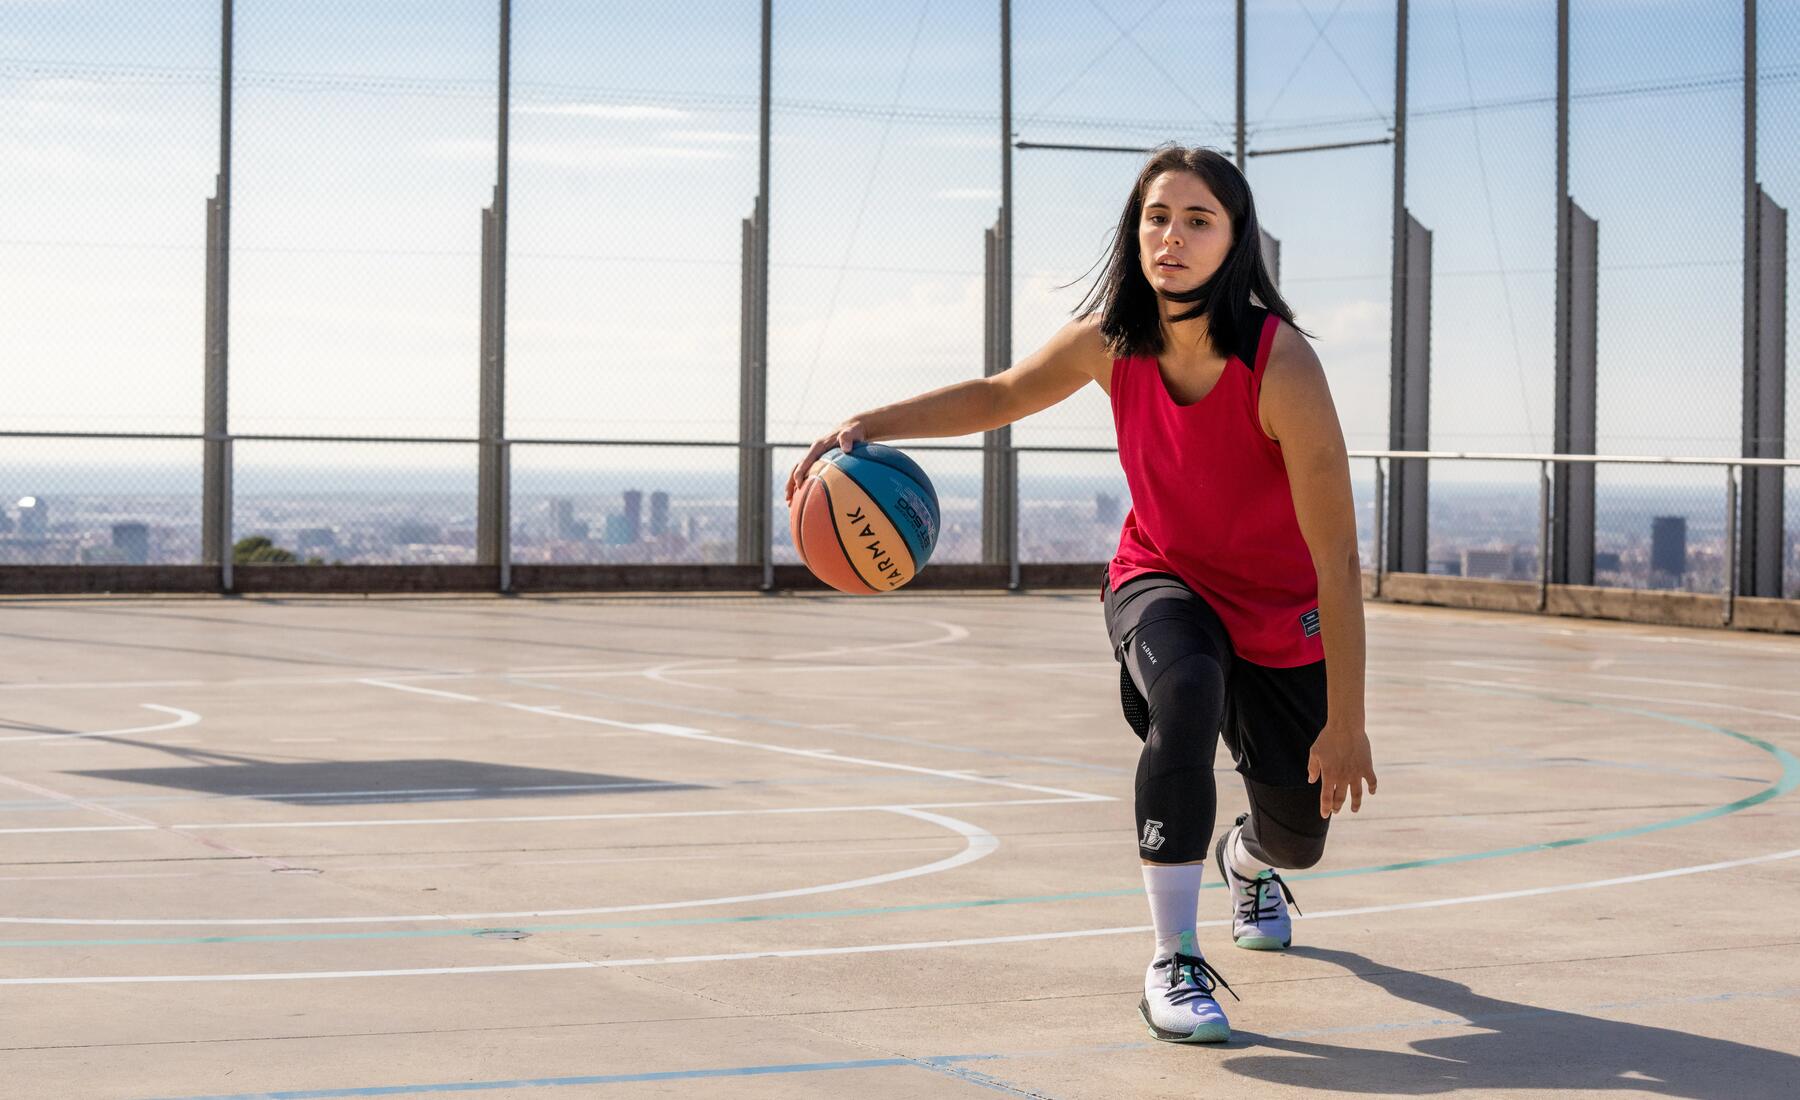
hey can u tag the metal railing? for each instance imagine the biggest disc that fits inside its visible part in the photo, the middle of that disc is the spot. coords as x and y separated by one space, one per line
1008 493
1733 482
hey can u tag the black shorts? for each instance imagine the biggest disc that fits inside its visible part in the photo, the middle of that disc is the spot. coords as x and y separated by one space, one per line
1271 715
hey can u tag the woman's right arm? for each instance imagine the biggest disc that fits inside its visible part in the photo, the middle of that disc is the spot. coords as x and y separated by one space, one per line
1063 365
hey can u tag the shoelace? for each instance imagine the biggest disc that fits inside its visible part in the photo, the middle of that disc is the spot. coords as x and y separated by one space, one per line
1260 905
1194 969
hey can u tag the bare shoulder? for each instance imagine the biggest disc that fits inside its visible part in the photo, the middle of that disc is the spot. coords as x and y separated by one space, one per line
1291 353
1085 346
1294 386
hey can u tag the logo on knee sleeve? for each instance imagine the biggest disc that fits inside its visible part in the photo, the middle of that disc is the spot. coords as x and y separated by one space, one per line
1153 838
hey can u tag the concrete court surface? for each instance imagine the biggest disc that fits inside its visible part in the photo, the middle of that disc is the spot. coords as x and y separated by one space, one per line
805 846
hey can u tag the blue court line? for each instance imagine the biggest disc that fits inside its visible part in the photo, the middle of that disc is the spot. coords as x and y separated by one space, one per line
1788 781
947 1063
940 1062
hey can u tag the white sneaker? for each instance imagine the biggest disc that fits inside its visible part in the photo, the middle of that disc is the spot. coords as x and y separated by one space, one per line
1178 1002
1259 906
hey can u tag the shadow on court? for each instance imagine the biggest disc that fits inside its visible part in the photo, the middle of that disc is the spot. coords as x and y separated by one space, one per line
1521 1048
326 783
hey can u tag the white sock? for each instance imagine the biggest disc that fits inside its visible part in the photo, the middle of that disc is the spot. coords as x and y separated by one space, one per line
1240 858
1174 893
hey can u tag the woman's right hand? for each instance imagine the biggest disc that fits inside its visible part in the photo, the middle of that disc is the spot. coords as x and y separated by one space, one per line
844 437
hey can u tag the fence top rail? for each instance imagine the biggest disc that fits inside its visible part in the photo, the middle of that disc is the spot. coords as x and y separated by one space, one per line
1641 460
1443 456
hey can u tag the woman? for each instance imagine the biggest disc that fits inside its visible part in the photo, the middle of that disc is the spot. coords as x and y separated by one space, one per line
1237 580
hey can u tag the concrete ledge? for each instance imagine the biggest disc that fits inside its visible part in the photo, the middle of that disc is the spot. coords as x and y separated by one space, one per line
1587 602
264 579
1482 595
372 579
1572 601
43 580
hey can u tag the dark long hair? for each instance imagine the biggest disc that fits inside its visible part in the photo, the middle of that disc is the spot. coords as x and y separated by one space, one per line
1129 319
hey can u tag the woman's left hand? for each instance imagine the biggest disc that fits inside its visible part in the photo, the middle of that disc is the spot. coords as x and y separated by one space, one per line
1340 763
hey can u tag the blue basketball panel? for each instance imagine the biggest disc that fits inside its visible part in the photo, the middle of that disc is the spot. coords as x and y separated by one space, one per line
912 506
899 460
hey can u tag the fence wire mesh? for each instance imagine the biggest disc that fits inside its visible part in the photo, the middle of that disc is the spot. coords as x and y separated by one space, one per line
353 503
365 167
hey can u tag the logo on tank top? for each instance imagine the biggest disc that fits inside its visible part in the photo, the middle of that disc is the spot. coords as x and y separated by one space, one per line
1309 622
1153 838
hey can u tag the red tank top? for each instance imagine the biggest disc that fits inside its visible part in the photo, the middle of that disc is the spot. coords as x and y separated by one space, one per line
1210 504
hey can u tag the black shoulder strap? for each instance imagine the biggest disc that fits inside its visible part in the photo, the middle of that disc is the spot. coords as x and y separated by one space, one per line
1251 337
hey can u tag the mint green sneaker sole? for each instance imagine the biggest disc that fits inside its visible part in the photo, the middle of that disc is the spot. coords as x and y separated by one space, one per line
1206 1033
1263 943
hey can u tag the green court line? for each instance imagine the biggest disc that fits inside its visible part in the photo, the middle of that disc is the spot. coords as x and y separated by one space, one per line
1788 781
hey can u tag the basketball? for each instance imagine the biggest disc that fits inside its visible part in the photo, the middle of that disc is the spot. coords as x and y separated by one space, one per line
864 522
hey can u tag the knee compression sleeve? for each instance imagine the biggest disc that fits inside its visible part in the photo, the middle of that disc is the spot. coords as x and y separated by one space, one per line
1284 829
1176 794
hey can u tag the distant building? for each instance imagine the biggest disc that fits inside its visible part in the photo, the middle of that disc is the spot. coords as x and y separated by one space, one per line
1106 510
562 518
1606 561
634 514
659 514
132 541
1494 564
415 532
6 524
101 555
1668 545
619 530
34 516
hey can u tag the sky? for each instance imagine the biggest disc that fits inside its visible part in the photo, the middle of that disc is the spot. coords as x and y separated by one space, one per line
364 149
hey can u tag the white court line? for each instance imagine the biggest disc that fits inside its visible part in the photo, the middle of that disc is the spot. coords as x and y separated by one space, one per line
979 843
139 823
182 718
952 633
661 674
420 691
691 734
1659 681
1639 697
372 823
882 948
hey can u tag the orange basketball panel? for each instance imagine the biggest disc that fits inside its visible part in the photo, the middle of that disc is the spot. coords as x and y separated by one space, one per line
823 553
875 546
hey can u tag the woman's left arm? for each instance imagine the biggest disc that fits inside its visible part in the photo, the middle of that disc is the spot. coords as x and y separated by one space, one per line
1297 407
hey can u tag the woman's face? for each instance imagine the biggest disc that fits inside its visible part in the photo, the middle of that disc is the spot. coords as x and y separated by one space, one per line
1183 232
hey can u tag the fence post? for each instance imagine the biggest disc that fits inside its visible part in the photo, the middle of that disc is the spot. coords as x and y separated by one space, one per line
1012 521
224 548
503 536
1731 538
1543 596
1380 525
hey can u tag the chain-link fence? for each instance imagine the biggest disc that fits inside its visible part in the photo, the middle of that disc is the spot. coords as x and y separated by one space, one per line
547 271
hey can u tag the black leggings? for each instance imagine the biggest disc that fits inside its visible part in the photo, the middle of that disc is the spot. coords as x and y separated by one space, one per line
1181 686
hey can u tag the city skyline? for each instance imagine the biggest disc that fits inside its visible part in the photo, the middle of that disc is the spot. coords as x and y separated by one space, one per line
1476 531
